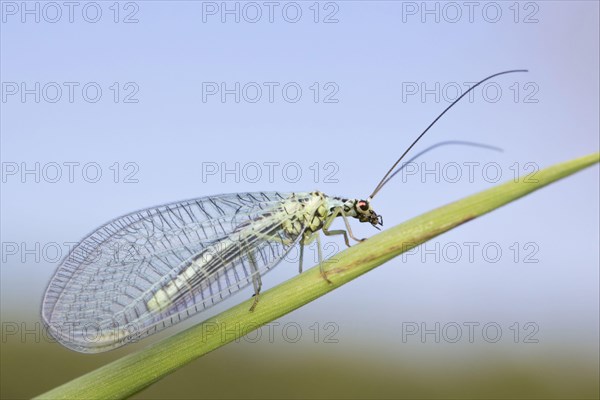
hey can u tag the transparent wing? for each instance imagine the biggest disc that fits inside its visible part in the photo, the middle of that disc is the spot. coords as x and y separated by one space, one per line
150 269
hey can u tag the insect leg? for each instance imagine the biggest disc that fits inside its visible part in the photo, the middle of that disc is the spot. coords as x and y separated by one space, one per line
327 224
350 229
320 252
301 257
308 240
256 281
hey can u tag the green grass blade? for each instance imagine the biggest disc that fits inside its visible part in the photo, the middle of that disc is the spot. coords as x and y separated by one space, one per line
134 372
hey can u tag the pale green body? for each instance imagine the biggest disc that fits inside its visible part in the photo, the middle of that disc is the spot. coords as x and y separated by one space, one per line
299 214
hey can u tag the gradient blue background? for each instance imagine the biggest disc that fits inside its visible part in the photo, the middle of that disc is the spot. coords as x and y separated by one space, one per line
369 54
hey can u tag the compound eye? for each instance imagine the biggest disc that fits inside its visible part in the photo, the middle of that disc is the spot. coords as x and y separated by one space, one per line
363 205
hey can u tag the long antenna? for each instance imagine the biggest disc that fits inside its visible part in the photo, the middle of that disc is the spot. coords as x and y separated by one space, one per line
384 179
446 143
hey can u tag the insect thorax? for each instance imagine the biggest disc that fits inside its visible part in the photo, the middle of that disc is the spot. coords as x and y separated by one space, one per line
312 210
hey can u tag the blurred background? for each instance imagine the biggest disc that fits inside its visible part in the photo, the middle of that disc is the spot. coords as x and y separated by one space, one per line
109 107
